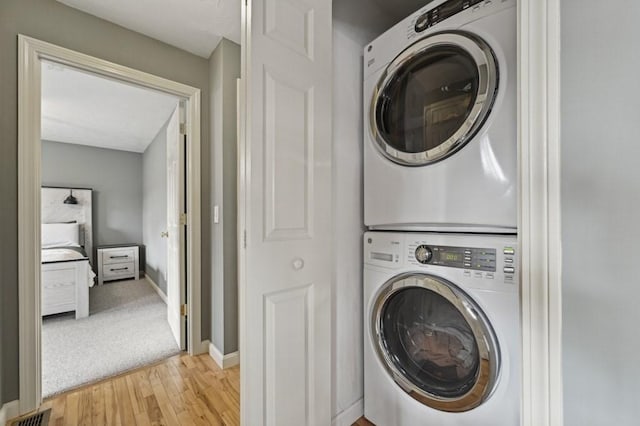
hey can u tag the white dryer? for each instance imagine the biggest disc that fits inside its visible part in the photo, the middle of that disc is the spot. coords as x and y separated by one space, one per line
440 120
442 321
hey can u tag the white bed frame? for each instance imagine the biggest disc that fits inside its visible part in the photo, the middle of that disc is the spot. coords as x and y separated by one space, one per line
64 284
64 288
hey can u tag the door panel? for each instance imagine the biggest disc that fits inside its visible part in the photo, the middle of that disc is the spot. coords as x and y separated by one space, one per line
435 342
286 197
288 154
433 98
176 294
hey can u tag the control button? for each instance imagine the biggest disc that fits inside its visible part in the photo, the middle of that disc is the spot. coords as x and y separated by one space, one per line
509 270
467 273
508 277
508 260
488 275
467 252
509 251
467 265
477 274
423 254
422 23
467 258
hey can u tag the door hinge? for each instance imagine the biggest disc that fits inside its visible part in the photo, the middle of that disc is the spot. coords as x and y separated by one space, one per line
183 310
183 218
183 129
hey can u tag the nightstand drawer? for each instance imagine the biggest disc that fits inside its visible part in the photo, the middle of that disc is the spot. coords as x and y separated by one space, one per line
117 270
124 255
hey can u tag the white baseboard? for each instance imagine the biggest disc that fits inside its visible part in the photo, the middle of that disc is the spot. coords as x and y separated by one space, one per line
350 415
156 288
204 347
9 411
224 361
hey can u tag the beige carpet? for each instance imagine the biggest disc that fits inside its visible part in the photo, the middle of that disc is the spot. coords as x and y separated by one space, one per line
126 328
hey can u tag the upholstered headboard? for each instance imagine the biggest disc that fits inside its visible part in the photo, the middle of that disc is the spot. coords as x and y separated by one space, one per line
55 211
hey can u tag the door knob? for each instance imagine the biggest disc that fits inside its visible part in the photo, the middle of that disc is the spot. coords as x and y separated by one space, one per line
164 234
297 264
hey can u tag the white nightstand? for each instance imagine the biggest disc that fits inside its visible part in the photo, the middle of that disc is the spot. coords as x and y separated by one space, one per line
118 262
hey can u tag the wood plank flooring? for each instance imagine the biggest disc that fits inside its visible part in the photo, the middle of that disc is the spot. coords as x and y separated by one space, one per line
363 422
181 390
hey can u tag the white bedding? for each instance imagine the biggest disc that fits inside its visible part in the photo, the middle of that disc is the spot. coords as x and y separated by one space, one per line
60 235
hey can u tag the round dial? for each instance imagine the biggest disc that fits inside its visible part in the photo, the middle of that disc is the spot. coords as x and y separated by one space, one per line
422 23
423 254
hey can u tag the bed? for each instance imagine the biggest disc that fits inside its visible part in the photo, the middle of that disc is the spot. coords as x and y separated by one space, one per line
66 271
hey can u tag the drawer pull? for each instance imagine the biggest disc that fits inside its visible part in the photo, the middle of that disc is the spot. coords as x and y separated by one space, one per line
119 257
118 269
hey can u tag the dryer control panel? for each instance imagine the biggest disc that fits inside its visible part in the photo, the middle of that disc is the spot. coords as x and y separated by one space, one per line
442 12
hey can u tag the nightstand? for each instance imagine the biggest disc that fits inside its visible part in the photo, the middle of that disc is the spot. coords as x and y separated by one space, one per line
118 262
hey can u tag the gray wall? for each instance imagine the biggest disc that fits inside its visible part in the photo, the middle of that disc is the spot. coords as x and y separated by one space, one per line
116 180
355 23
600 210
154 208
224 69
56 23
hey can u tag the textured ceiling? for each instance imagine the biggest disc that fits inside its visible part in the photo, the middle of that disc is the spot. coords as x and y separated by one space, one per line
86 109
196 26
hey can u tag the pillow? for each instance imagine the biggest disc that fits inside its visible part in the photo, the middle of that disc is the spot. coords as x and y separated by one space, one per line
60 235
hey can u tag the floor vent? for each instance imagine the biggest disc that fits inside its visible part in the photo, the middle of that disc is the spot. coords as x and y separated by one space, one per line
37 419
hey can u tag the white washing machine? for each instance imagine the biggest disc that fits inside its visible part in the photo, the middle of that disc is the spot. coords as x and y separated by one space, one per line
442 321
440 120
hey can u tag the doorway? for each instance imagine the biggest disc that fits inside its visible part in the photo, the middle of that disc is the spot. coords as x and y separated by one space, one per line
184 301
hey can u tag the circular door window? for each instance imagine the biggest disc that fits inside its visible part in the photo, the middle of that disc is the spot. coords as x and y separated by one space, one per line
433 98
435 342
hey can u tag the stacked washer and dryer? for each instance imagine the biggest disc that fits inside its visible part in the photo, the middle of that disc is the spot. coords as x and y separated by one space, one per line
441 287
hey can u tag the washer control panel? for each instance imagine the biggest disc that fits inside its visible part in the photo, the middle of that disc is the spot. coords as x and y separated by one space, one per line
485 260
480 259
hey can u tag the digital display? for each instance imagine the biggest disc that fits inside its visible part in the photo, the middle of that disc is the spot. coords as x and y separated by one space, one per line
451 257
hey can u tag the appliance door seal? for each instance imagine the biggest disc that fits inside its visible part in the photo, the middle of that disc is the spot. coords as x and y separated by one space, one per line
433 98
435 342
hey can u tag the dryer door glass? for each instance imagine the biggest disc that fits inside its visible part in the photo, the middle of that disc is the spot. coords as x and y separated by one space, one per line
433 98
433 339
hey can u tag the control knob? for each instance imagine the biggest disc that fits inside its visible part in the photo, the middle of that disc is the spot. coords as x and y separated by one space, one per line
422 23
423 254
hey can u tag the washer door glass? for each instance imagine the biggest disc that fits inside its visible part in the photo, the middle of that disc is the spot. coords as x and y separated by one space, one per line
433 98
436 342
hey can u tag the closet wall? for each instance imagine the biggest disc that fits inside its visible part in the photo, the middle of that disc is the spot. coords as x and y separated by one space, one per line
355 23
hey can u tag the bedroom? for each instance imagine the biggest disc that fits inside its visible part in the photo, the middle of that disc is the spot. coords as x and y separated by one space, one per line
112 186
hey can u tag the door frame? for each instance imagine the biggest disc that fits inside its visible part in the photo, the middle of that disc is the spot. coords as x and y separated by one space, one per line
539 218
30 52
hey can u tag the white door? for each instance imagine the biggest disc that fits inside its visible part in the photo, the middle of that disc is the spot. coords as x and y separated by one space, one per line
286 189
176 294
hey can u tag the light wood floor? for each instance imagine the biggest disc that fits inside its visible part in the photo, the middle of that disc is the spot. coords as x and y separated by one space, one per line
181 390
363 422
